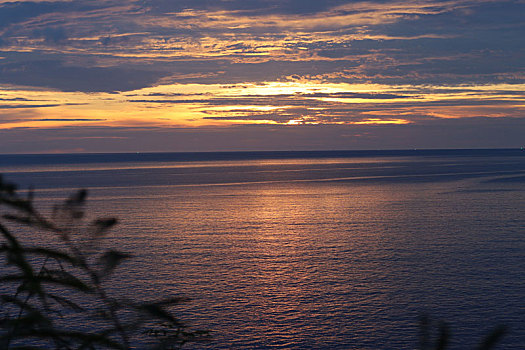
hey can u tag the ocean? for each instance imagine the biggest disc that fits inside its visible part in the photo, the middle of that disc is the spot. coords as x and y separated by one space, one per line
311 250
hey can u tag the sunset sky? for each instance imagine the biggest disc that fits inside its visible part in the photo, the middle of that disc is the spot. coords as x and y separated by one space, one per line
197 75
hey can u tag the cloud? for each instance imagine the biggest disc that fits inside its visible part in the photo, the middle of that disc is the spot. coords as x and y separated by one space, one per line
32 106
355 95
16 12
55 35
68 120
357 65
60 75
14 99
253 7
230 41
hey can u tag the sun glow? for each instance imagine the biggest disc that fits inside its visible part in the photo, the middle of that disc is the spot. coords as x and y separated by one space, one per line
372 121
295 102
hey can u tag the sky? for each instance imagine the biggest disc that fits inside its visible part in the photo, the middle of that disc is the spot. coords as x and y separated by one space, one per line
230 75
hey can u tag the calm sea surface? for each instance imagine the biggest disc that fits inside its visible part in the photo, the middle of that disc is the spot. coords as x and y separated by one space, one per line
312 250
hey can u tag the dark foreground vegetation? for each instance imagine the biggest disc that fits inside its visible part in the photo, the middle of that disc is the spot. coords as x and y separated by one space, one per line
53 292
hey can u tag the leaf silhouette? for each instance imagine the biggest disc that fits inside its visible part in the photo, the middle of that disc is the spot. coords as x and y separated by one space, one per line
492 338
110 260
49 281
101 226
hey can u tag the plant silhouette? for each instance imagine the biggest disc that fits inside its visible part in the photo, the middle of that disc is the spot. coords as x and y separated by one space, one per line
53 294
437 336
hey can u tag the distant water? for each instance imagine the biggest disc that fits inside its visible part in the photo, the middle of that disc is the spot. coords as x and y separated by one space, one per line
312 250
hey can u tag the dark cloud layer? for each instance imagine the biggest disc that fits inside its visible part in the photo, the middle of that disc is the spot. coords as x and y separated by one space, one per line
252 7
17 12
107 45
56 74
372 74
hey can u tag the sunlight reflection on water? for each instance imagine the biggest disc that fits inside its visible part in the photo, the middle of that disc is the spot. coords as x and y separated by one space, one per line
323 264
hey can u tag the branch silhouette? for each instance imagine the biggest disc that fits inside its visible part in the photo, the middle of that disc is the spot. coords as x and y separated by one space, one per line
52 293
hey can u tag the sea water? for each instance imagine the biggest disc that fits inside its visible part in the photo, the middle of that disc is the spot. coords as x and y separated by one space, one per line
311 250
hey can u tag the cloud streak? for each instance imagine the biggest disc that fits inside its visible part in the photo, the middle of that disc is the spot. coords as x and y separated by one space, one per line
226 64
